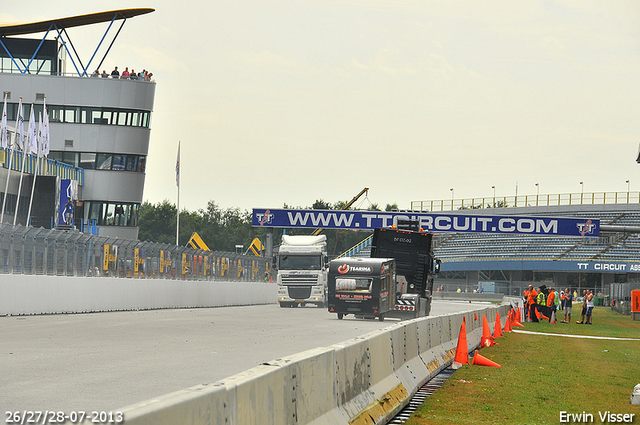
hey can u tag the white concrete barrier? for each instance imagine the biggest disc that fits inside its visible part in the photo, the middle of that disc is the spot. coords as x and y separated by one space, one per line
365 380
32 294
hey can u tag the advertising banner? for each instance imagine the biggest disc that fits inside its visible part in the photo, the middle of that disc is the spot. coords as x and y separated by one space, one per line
431 222
67 201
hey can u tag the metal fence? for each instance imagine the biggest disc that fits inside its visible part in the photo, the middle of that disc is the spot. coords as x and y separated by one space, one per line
582 198
38 251
621 296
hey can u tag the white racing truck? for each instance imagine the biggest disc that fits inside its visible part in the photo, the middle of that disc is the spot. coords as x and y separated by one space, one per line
302 265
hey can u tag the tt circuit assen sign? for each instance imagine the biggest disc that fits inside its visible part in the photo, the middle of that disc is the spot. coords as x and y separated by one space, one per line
369 220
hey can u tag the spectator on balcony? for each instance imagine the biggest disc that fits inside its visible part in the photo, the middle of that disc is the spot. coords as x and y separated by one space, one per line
104 74
133 75
115 73
96 73
125 73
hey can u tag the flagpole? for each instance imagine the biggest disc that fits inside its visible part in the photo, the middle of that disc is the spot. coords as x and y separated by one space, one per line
24 160
35 173
178 205
5 146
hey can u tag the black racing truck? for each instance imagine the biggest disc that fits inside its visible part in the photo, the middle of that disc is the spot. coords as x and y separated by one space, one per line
411 281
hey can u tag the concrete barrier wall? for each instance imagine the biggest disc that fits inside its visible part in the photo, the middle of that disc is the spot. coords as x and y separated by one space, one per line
29 294
365 380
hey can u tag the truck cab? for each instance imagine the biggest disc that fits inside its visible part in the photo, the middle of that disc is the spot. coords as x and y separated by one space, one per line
302 270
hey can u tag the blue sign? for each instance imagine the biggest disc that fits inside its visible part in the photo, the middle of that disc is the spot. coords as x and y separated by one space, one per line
595 266
66 202
431 222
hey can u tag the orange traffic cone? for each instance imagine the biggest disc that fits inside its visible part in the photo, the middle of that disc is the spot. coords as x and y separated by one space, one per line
553 318
516 320
497 329
483 361
476 316
462 350
487 339
507 325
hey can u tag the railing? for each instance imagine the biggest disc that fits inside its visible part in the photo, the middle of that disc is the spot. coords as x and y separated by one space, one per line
48 167
360 246
592 198
74 74
38 251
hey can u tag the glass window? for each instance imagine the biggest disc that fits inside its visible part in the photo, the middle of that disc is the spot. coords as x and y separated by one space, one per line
88 160
95 116
56 156
12 111
37 111
142 164
135 209
131 162
70 158
118 162
122 118
72 114
110 216
55 113
299 262
95 212
104 161
135 118
119 215
106 117
353 285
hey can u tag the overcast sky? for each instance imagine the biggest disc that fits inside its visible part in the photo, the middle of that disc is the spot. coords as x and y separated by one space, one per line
291 101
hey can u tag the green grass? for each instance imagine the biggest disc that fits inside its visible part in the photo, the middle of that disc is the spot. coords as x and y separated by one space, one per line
543 375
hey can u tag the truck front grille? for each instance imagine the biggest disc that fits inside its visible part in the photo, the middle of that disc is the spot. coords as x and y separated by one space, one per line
300 279
299 292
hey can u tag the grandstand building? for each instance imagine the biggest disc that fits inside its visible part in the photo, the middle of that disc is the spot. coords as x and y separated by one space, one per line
99 129
508 263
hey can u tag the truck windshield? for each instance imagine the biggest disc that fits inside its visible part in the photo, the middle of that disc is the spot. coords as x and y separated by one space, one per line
300 262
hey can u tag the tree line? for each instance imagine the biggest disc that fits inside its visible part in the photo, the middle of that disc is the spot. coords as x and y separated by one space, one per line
223 229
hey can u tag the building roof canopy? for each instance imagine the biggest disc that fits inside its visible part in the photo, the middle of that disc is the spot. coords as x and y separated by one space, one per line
73 21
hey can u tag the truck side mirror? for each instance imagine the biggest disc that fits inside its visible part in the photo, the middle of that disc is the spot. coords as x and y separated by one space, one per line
325 258
436 269
274 262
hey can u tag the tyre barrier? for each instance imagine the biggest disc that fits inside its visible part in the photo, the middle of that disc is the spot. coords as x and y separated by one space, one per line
365 380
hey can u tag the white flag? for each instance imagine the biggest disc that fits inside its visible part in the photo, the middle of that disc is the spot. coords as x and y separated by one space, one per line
178 167
3 132
45 132
33 134
40 135
20 126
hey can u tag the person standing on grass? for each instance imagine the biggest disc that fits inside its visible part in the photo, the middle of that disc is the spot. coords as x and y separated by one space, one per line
541 302
584 308
551 303
531 295
589 301
567 304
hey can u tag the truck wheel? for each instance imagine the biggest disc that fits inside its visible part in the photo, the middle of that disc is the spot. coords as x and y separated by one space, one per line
381 318
340 316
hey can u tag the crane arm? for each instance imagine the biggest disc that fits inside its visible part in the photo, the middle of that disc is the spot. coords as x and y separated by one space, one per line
346 207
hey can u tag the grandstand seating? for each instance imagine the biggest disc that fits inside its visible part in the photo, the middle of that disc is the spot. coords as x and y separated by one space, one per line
452 247
478 246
